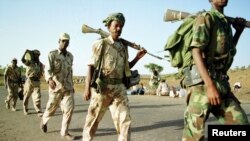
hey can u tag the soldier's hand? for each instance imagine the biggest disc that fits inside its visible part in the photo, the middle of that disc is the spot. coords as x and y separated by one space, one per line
87 94
141 53
52 84
213 95
239 24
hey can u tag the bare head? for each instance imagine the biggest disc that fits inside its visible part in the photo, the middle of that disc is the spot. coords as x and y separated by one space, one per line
219 4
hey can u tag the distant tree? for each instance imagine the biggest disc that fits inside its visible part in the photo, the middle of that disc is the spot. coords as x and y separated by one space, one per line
2 70
237 68
152 66
248 67
23 69
243 68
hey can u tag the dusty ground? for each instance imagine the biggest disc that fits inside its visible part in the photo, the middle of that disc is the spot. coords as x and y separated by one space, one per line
154 119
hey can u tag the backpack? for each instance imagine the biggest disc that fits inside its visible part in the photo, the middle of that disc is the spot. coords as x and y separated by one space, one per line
178 44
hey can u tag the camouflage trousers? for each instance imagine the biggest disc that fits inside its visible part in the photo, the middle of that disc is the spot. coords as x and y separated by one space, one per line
32 88
115 98
199 108
12 94
65 100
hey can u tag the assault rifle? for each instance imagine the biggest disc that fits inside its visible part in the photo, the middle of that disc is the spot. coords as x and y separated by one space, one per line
103 34
173 15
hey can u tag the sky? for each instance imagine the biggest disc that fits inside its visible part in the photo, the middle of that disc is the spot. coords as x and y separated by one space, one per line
37 24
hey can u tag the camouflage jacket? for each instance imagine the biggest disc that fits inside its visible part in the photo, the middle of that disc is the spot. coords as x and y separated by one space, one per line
215 40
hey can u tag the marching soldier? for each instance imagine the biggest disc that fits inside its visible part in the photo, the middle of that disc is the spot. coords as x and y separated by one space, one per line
213 94
59 75
113 94
34 72
12 79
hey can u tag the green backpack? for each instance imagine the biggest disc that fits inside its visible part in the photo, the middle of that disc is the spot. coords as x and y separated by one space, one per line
178 44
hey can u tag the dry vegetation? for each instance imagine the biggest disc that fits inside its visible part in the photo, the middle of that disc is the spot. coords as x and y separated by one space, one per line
241 75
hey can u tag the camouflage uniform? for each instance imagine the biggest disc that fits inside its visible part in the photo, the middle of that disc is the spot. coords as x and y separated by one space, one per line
34 72
13 76
154 81
199 108
59 68
113 94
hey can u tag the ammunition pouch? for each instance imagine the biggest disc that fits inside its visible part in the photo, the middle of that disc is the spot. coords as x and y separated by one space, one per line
134 79
191 76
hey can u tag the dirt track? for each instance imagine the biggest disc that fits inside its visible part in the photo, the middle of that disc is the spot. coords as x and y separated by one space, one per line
153 119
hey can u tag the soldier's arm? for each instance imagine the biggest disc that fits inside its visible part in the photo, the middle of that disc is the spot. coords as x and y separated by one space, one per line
6 77
212 92
239 29
49 71
20 81
49 68
87 91
41 69
138 56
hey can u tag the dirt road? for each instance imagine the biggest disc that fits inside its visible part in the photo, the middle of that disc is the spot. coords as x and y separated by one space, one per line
153 119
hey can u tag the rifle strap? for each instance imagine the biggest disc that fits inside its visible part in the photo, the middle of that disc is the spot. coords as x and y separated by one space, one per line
127 68
100 59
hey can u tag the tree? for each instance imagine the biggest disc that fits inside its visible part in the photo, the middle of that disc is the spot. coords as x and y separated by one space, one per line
152 66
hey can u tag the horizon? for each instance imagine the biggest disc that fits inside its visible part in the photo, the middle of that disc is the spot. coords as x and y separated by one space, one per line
38 24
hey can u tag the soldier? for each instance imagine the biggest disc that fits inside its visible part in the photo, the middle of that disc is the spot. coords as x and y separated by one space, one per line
12 79
59 75
213 93
154 79
113 94
34 72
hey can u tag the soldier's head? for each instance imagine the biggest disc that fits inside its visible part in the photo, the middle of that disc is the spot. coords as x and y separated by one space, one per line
115 23
14 62
36 54
218 3
64 41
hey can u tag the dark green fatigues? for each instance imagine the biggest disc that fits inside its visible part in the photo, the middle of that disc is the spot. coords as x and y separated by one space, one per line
219 45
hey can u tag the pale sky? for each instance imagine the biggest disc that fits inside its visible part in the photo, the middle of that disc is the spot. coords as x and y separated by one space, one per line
37 24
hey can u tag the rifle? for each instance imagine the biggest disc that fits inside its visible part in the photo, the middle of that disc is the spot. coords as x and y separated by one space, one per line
173 15
103 34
